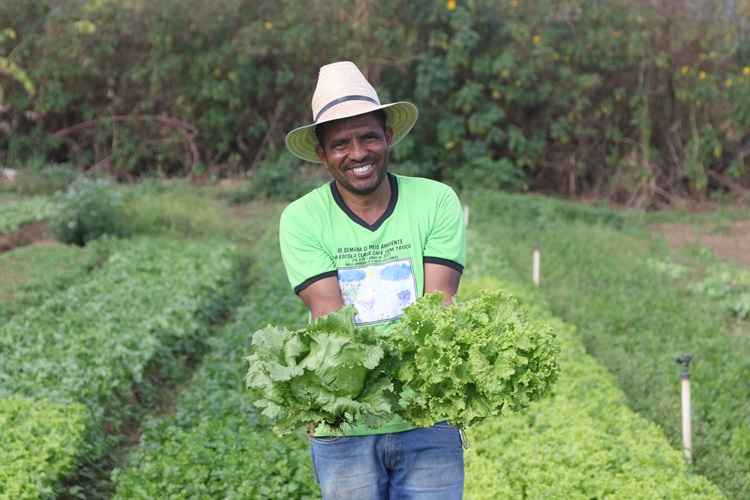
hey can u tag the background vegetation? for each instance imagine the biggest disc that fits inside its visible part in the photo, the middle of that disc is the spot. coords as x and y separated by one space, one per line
640 101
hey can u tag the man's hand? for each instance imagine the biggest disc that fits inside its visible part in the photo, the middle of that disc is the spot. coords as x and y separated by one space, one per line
440 278
323 297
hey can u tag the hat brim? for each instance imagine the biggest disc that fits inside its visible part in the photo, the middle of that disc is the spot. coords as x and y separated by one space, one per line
400 117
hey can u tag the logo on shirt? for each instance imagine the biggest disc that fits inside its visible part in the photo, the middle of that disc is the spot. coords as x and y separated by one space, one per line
379 292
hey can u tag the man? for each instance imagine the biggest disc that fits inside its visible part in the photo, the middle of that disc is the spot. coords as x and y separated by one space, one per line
377 241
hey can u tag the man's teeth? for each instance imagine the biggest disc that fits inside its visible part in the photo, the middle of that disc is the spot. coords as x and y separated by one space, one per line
361 170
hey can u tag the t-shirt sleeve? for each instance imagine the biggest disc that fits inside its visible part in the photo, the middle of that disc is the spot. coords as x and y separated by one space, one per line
446 242
305 259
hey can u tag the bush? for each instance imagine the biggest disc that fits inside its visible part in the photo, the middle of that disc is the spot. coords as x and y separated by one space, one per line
281 178
634 100
88 210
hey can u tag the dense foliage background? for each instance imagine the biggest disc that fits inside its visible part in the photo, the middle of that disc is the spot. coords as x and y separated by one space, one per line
638 101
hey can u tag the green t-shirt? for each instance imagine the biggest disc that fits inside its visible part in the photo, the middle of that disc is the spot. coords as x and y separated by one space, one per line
380 266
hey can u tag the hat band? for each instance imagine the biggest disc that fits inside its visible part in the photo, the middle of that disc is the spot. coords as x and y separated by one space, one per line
344 99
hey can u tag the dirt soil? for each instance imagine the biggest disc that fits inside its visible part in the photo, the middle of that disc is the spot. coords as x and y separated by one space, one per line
36 233
731 244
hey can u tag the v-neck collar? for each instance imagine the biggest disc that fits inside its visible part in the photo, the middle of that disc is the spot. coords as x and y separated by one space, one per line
356 218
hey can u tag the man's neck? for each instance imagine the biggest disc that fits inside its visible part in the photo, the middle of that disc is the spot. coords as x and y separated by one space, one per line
369 207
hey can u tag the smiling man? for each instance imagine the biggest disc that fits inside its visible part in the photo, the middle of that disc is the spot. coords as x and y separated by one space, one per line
376 241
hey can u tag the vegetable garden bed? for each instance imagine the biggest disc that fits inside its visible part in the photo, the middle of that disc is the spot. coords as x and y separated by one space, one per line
93 343
17 212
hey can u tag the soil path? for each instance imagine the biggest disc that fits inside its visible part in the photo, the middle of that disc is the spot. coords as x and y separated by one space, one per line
731 244
35 232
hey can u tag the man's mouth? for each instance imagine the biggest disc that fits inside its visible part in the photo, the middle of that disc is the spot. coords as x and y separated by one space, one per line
362 171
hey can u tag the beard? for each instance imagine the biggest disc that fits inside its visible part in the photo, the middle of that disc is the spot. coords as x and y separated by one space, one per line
366 189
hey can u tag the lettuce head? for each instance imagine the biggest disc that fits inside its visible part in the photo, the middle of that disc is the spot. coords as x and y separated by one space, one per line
470 360
328 372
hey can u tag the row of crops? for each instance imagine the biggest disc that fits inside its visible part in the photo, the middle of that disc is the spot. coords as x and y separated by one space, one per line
638 306
71 365
21 211
75 358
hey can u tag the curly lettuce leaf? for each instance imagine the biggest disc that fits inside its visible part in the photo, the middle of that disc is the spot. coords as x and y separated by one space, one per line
471 360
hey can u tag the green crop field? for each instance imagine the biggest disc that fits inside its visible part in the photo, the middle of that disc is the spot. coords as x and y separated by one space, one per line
123 362
20 211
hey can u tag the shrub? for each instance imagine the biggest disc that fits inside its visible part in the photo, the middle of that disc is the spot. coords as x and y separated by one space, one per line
281 178
88 210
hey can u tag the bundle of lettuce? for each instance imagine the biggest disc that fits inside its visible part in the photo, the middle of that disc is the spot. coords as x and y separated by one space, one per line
460 363
471 360
329 372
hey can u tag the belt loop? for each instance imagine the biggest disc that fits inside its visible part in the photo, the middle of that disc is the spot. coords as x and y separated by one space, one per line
464 438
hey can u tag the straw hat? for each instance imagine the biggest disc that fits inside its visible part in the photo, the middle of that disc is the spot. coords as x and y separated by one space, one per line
343 92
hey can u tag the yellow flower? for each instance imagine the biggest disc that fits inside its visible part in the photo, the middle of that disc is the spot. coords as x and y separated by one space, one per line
728 82
451 5
268 25
746 71
85 26
702 75
685 70
496 94
514 3
536 40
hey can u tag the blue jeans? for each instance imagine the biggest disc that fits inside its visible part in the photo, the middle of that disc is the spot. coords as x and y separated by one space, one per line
420 464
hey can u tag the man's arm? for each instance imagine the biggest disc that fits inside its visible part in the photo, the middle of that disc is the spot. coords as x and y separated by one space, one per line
323 297
440 278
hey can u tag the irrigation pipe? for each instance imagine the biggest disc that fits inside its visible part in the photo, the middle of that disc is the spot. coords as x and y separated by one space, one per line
687 438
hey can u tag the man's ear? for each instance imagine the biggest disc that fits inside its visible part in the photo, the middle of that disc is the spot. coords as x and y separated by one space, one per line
389 135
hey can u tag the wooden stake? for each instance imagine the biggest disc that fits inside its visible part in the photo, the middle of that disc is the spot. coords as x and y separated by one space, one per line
466 215
536 271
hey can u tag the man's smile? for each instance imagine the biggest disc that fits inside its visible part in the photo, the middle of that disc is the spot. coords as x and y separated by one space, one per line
361 171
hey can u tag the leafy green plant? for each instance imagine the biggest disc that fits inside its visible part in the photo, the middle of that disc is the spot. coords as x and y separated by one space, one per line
219 458
471 360
19 212
42 441
728 286
32 274
88 210
282 178
330 372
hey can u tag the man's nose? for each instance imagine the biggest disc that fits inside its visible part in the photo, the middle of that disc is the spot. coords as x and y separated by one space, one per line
358 150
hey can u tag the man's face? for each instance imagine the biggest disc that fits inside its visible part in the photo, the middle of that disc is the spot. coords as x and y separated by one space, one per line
355 152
